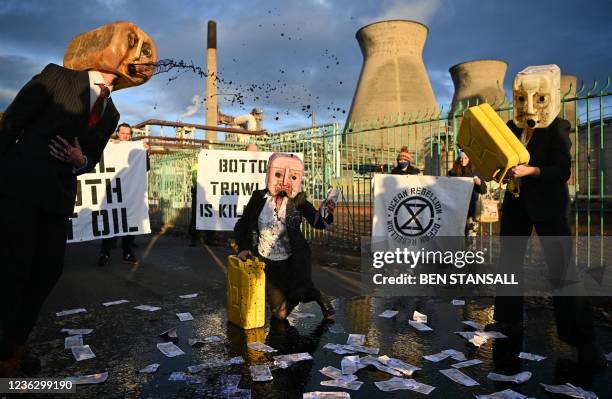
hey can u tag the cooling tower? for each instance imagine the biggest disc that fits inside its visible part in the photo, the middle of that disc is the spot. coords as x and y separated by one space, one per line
393 81
568 109
212 106
480 80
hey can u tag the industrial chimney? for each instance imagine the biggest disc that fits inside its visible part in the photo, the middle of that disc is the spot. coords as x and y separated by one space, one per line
212 102
478 81
393 82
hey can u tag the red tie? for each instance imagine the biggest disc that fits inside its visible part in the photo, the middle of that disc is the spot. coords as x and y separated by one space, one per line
96 112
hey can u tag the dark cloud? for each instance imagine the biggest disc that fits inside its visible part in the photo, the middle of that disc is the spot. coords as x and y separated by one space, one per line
293 58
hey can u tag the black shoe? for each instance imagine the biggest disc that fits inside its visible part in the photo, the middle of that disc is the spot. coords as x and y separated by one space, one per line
103 260
29 363
590 355
130 258
327 308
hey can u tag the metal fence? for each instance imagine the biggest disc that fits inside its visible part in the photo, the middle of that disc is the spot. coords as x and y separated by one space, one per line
349 158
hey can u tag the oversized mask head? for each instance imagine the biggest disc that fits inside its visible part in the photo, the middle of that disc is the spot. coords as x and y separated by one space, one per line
536 91
121 48
284 175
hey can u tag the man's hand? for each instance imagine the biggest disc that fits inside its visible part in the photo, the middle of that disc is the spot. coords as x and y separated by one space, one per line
524 170
243 255
477 180
61 149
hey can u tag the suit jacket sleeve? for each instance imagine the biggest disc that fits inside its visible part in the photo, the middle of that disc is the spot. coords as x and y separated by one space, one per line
310 213
103 132
27 105
559 168
242 233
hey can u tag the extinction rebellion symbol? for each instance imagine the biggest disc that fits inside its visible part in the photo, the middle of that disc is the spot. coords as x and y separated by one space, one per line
414 214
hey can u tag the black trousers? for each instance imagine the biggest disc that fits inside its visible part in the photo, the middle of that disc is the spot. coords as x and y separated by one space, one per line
573 315
32 260
284 287
126 245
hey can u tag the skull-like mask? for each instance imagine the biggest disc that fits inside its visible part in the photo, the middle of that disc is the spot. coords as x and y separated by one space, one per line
284 175
536 92
121 48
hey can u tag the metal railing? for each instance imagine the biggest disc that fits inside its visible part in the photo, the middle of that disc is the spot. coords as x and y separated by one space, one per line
349 157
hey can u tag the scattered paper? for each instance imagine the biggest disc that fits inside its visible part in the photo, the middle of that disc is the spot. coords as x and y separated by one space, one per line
455 354
326 395
350 364
214 363
419 326
459 377
70 311
388 314
467 363
119 302
531 356
350 349
491 334
147 308
474 325
436 357
184 316
73 340
77 331
261 373
458 302
301 315
171 333
212 339
226 386
150 369
82 352
342 383
419 317
570 390
88 379
169 349
189 296
261 347
284 361
516 378
405 368
336 329
505 394
397 383
182 376
473 337
355 339
336 374
373 361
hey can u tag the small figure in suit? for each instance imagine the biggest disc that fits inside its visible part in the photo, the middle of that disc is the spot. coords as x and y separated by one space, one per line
55 129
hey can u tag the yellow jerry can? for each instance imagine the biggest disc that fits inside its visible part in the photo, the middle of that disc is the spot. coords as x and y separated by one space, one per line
246 292
489 143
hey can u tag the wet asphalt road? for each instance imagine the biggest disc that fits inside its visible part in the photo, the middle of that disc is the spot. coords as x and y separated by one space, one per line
124 339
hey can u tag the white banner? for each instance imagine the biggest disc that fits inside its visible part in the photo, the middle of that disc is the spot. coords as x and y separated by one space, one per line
112 200
226 180
410 210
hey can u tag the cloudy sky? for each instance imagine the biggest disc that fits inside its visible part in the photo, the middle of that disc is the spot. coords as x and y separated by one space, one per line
293 57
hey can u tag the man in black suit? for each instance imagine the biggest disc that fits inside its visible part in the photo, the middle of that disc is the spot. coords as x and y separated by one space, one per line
55 129
542 202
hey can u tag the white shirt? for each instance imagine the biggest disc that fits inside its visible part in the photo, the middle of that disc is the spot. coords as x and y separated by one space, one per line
95 79
273 238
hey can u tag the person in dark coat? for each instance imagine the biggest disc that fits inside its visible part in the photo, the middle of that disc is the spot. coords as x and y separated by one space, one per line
462 167
542 203
55 129
404 164
270 228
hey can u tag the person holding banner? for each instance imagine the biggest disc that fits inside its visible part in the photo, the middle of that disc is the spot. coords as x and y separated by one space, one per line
462 167
404 164
270 228
124 133
543 204
55 129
